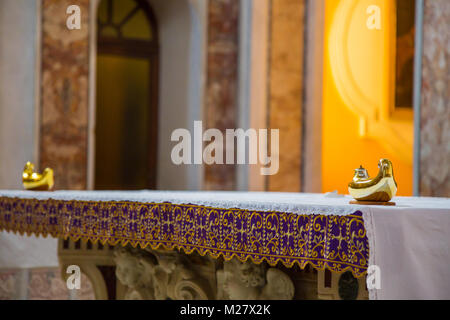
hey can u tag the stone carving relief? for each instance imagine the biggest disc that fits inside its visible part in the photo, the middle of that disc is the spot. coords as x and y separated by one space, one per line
131 268
157 274
160 275
248 281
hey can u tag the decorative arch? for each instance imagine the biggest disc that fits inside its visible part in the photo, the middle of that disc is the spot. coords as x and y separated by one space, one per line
120 33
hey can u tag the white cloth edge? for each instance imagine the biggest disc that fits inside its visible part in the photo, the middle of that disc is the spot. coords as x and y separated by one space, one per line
370 232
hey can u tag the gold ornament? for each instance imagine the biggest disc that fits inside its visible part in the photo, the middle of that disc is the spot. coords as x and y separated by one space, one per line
36 181
377 190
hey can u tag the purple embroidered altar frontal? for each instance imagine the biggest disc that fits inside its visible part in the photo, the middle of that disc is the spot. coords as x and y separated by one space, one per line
335 242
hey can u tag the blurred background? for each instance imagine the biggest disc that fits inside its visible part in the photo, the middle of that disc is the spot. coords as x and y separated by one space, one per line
346 82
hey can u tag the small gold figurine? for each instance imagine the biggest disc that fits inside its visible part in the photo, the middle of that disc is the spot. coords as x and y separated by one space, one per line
378 190
36 181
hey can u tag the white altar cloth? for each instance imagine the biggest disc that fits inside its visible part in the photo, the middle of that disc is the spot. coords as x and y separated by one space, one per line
21 252
291 202
410 242
411 246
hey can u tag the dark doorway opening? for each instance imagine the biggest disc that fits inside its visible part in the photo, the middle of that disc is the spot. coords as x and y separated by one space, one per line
127 96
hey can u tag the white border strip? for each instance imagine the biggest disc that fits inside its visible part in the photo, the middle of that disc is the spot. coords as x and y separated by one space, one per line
417 97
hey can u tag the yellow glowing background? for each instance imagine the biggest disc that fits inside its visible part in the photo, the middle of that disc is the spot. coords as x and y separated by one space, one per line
360 121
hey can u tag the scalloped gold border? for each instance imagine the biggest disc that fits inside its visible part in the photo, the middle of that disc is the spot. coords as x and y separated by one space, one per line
271 259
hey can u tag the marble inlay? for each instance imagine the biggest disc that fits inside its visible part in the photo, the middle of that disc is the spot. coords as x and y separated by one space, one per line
221 84
8 284
64 94
435 107
286 87
47 284
41 284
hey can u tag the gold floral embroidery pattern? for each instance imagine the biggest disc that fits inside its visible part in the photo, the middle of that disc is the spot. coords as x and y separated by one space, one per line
338 243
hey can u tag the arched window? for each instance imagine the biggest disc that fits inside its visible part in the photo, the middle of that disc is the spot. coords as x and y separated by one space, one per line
126 96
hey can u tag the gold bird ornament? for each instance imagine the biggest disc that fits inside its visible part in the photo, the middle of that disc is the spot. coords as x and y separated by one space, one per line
378 190
35 181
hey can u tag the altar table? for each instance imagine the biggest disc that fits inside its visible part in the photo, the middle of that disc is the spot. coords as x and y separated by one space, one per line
324 231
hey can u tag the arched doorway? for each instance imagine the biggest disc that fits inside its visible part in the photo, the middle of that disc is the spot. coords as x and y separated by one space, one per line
127 96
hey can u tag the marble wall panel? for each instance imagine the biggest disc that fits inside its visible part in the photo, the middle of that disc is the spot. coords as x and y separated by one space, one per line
220 110
435 106
47 284
9 280
41 284
64 94
286 90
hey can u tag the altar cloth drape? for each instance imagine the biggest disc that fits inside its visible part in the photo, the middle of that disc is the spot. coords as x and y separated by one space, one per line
317 231
409 242
17 252
411 247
